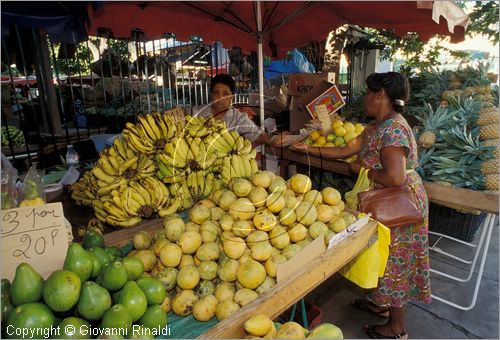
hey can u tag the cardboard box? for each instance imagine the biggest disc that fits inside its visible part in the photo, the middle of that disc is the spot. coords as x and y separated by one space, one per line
298 118
300 102
275 101
300 84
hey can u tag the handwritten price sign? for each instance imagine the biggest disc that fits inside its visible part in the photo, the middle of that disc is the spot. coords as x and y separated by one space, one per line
36 235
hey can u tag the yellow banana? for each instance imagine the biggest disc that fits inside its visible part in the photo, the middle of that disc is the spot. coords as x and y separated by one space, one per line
114 210
105 165
254 166
136 196
173 206
142 191
123 223
129 163
101 175
154 126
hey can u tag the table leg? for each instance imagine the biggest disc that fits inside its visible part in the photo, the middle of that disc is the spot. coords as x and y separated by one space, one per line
488 226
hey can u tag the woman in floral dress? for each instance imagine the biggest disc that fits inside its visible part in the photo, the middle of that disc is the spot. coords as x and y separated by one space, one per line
387 147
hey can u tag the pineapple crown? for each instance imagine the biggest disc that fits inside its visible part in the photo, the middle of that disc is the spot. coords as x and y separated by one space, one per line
432 120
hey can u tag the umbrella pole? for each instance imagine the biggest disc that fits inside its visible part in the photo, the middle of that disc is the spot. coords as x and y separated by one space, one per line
260 61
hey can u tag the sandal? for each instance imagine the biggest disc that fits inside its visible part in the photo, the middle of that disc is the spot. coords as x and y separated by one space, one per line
364 305
373 334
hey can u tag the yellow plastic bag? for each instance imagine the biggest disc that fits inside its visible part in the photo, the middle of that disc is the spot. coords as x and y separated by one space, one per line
369 265
362 184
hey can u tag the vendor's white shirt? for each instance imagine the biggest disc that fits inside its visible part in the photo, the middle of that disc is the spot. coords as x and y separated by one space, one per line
234 119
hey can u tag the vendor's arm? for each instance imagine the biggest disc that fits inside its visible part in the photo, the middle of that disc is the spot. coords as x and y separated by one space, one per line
393 172
352 148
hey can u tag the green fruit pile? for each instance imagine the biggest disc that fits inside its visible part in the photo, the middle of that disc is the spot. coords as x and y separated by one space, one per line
11 133
97 293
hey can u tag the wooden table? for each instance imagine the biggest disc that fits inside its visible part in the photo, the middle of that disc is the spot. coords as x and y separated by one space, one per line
278 299
440 194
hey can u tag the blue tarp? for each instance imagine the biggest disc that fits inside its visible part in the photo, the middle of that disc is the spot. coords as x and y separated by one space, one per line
295 63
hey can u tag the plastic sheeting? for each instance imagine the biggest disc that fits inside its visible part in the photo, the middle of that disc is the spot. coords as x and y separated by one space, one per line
296 63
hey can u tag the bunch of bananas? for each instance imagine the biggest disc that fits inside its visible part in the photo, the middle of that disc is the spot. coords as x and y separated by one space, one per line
11 133
229 142
81 191
150 134
161 165
238 166
137 200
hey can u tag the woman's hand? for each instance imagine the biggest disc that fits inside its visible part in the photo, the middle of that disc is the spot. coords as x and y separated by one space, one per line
301 147
355 167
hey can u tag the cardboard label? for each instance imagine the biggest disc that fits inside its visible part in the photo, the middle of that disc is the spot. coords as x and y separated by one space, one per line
331 98
324 118
302 258
36 235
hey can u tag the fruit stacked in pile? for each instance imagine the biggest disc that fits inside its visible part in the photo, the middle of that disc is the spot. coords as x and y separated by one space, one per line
95 290
228 252
261 326
161 166
343 133
459 142
13 134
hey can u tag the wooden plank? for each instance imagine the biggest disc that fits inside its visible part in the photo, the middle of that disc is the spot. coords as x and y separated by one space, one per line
120 237
468 199
304 280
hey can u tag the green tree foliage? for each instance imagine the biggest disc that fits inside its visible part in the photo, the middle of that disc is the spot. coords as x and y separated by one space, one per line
483 19
418 54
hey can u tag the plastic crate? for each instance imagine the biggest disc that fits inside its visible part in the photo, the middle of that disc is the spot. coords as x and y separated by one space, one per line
453 223
314 315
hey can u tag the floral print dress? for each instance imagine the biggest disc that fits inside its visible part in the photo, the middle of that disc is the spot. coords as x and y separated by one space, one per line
407 275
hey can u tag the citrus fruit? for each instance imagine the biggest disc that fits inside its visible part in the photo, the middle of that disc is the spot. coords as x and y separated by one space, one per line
73 328
153 289
134 267
61 291
31 317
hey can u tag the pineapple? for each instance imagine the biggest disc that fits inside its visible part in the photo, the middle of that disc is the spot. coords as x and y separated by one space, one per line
491 182
490 167
432 122
487 116
495 143
447 94
489 132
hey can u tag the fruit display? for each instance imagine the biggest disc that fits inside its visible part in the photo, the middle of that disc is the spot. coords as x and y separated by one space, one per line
13 134
228 251
459 141
261 326
343 133
96 293
161 166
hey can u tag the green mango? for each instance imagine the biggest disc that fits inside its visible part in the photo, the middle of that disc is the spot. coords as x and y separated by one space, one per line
92 239
27 285
113 276
103 257
80 329
118 318
96 267
115 252
6 308
154 317
94 301
79 261
5 287
134 299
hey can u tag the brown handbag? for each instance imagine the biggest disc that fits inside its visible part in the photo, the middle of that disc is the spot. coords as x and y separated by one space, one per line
391 206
